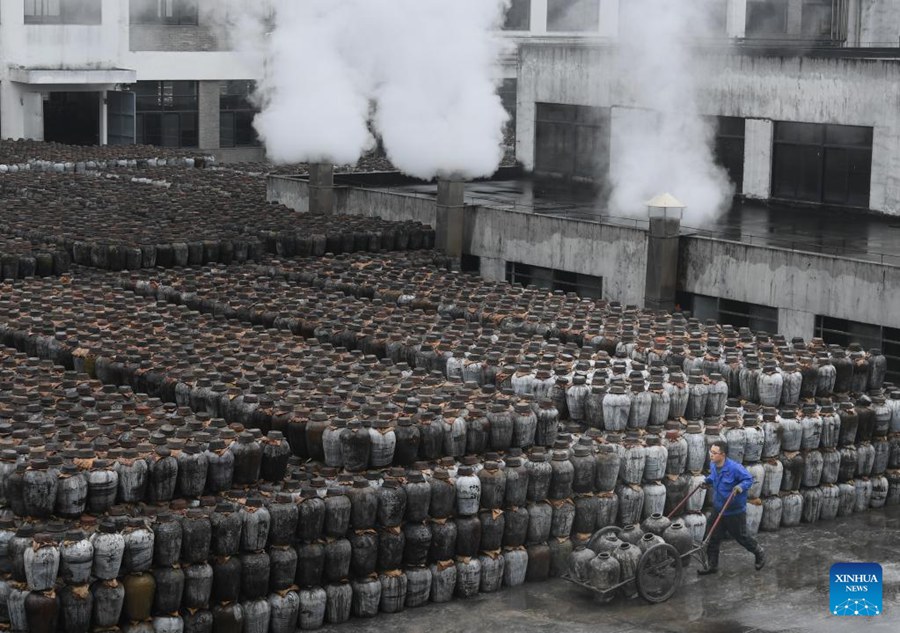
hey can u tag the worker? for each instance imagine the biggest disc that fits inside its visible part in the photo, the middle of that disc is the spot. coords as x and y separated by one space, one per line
726 476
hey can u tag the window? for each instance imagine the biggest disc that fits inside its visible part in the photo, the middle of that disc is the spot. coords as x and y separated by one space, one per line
469 263
573 15
62 11
164 12
166 113
518 16
829 164
586 286
572 141
766 18
729 148
236 115
843 332
816 19
758 318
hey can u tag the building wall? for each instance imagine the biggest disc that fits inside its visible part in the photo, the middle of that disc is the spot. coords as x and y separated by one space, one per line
171 66
173 38
62 45
817 90
878 23
802 284
617 254
154 52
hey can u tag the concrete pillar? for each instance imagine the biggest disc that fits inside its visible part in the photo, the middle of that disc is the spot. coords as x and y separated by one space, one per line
32 114
793 323
662 262
852 23
208 106
526 111
321 188
758 137
539 17
609 18
736 19
450 220
493 269
882 194
12 123
104 119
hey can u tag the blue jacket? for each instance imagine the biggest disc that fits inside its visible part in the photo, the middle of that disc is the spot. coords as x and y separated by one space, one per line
723 480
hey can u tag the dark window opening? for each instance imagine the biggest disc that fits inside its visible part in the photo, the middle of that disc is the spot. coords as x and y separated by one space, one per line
830 164
72 118
518 16
573 15
586 286
167 113
767 18
236 114
729 148
843 332
63 12
470 263
759 318
572 142
176 12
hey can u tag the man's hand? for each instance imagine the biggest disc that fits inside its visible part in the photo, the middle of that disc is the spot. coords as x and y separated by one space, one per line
737 490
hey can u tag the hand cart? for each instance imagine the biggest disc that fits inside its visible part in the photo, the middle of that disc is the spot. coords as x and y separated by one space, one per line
660 568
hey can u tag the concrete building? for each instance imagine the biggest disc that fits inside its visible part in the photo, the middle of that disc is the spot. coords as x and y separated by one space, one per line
122 71
804 92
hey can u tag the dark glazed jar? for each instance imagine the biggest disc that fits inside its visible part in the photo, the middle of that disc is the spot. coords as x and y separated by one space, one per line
247 459
276 453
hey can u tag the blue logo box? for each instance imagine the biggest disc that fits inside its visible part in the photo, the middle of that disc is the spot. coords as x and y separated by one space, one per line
856 589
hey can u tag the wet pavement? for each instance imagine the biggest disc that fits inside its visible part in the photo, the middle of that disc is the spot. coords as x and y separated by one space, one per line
847 233
790 594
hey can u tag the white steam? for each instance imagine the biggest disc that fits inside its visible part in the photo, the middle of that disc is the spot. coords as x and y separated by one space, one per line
313 106
423 73
670 147
437 105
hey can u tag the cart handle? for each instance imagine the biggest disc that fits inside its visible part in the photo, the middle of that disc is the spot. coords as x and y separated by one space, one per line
719 518
683 501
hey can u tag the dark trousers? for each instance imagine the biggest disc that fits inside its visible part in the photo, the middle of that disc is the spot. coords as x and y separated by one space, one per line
734 525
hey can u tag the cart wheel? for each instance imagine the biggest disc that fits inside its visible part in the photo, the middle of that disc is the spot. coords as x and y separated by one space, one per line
599 534
658 573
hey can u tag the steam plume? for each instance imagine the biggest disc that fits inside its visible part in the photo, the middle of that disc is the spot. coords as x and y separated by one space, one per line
657 70
422 72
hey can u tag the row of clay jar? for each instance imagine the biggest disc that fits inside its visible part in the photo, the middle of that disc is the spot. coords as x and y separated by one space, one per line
135 603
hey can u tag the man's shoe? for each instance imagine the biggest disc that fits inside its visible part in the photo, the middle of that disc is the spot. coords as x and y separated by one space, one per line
760 558
707 571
